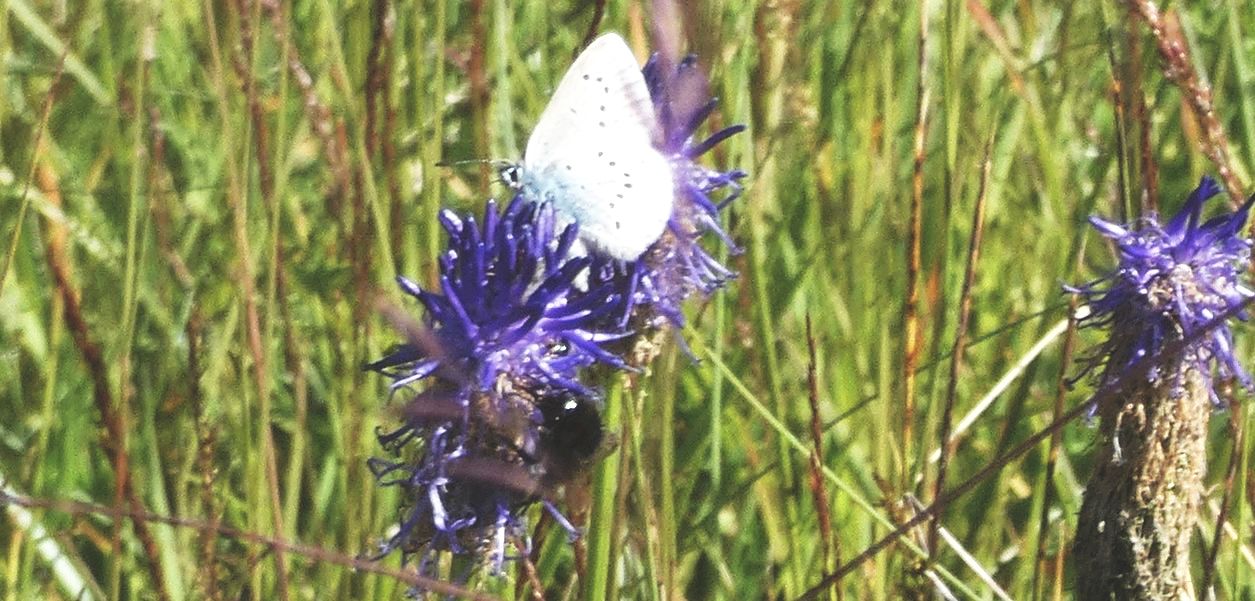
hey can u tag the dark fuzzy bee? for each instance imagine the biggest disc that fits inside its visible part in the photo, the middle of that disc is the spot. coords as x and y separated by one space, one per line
528 442
488 450
571 435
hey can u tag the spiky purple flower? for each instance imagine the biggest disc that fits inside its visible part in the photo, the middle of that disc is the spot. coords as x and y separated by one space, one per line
483 459
510 329
1171 280
509 304
678 266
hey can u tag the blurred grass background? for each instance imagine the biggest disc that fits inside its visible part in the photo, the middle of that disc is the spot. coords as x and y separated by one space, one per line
201 200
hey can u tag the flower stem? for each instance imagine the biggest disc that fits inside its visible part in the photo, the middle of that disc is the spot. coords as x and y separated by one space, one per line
600 530
1141 504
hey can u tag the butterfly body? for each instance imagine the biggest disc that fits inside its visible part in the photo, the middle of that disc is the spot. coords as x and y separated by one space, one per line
592 154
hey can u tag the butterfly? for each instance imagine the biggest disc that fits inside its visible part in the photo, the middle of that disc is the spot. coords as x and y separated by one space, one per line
592 155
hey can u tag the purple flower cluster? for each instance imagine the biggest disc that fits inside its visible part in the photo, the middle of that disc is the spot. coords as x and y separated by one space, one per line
498 408
679 266
1171 280
508 303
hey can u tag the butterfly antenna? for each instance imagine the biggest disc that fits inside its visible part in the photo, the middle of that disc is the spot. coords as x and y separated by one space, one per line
465 162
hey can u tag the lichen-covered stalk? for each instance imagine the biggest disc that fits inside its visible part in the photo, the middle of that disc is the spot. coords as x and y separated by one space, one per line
1141 504
1166 347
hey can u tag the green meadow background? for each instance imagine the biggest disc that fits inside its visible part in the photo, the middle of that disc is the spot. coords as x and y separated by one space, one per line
201 202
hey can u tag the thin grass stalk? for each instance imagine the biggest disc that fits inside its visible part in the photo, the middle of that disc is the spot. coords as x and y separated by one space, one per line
910 318
505 142
830 551
218 77
376 74
1243 71
64 569
1246 492
531 579
433 148
953 27
38 454
982 574
1052 454
278 294
367 231
477 72
6 45
596 574
960 342
37 143
316 111
952 98
799 447
1238 436
1135 152
159 183
243 62
387 143
1178 68
1124 182
665 473
57 323
1060 562
294 365
113 439
131 263
235 197
990 27
169 545
714 404
653 578
774 29
541 563
206 445
594 24
1148 168
270 543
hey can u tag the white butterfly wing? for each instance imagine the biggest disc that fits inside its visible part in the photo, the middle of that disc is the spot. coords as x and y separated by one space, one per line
592 153
603 85
620 196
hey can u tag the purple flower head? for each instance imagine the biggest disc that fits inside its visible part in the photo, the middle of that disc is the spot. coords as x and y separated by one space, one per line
481 462
494 372
678 266
511 303
1171 280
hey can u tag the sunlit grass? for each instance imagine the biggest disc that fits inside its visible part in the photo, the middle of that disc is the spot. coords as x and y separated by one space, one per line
226 226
